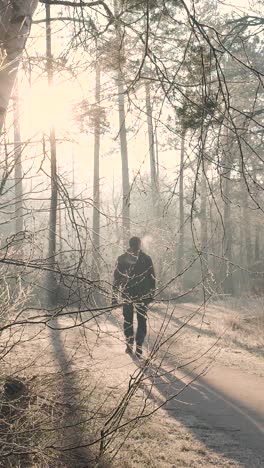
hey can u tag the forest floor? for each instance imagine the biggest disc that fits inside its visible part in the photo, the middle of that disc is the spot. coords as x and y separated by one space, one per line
207 377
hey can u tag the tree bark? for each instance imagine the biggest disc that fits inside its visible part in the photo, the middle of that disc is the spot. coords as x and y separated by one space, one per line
247 226
157 157
203 210
16 19
227 239
18 164
180 250
153 167
257 242
124 158
123 139
51 277
96 183
204 223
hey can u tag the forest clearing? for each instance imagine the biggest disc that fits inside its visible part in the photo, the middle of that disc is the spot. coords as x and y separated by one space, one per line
131 233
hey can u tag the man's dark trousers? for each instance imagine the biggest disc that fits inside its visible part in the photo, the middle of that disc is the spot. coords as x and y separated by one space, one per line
128 312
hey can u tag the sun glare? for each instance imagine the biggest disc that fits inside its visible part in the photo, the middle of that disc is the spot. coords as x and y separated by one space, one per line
45 106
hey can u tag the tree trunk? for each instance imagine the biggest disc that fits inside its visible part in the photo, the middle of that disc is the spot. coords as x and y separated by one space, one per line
247 226
18 164
153 167
246 247
204 223
59 248
245 222
51 277
241 233
257 239
203 210
213 239
157 157
123 136
96 183
227 240
242 277
124 158
16 18
180 250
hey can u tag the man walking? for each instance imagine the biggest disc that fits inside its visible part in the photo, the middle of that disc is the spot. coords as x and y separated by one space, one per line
134 278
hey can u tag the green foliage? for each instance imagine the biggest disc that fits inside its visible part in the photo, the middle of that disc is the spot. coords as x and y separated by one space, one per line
192 114
92 117
154 6
112 55
138 5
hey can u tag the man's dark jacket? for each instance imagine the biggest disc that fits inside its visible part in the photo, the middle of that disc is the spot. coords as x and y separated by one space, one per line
135 276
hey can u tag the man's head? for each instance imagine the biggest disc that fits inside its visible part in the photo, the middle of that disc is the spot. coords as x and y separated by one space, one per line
135 243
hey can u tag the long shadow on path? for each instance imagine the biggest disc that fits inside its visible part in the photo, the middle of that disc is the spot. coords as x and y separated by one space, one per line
220 416
223 423
71 426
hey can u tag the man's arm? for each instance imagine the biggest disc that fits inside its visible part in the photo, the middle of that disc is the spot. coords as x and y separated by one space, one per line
117 274
117 281
152 278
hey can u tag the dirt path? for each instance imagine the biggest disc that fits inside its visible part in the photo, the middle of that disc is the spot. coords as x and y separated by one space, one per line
216 420
223 409
225 402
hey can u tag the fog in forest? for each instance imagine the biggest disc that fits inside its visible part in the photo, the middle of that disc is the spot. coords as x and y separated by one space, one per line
122 119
